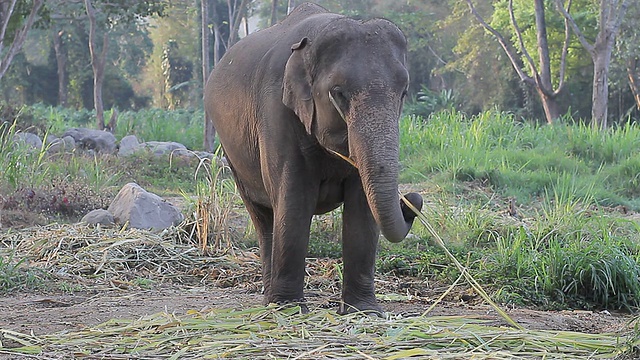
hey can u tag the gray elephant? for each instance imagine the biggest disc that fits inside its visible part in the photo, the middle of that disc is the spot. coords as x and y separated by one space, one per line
283 100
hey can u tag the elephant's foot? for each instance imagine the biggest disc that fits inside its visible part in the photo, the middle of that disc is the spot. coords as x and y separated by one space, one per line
365 307
302 303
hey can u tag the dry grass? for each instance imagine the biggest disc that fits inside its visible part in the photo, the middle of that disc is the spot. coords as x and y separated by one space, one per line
279 333
113 257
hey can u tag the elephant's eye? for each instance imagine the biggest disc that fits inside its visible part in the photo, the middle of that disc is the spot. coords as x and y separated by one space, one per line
338 95
404 94
336 92
337 98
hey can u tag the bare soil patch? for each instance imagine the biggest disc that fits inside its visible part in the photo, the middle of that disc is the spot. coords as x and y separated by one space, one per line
45 313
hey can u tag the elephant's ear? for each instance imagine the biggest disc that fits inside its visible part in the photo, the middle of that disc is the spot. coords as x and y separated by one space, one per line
296 86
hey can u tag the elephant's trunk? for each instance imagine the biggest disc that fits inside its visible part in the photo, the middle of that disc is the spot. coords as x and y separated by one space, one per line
373 145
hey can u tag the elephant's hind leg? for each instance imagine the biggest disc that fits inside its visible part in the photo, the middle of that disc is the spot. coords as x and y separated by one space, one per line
262 219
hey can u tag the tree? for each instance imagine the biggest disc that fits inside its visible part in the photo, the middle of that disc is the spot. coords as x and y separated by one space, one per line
611 13
231 19
98 60
539 74
629 52
112 13
236 10
10 18
274 12
209 129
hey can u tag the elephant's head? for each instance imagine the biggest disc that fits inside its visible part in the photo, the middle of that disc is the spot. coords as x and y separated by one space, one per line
347 84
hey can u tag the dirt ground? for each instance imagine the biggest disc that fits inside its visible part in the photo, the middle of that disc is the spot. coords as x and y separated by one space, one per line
47 313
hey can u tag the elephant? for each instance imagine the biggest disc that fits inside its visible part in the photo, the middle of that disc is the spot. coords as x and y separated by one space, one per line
285 101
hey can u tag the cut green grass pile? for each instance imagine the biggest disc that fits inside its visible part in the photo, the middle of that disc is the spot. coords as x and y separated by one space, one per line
273 332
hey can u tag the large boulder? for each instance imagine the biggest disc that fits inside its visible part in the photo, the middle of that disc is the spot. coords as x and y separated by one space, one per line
55 144
31 140
90 139
99 216
160 148
143 210
129 145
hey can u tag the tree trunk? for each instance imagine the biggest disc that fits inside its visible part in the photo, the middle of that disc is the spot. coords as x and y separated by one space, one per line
209 129
236 13
98 61
544 84
217 38
6 10
550 106
540 79
600 94
291 6
61 62
274 12
634 80
611 14
206 42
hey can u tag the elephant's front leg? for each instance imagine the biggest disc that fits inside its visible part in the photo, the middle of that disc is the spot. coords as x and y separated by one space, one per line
359 244
292 220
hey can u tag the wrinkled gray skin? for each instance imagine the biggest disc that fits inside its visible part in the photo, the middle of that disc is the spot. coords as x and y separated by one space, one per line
269 101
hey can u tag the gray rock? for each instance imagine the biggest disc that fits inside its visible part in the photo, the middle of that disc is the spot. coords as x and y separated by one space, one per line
69 142
160 148
143 210
129 145
55 144
90 139
99 216
31 140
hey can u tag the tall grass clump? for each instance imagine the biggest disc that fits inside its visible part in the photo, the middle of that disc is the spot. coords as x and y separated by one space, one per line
183 126
20 164
582 260
521 159
14 274
562 253
214 207
56 120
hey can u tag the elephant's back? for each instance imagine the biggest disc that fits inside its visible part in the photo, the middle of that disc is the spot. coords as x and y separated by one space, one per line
253 68
263 54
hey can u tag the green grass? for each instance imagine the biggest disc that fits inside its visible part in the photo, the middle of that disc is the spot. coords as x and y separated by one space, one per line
566 248
15 274
523 159
183 126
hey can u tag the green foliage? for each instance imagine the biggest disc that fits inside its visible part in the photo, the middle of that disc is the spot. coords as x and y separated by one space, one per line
183 126
20 164
560 248
522 159
16 275
427 102
326 232
55 120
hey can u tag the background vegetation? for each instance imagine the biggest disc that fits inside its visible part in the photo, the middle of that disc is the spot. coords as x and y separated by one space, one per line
543 216
156 59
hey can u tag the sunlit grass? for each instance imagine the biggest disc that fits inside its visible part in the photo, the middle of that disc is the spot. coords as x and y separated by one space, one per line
523 159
